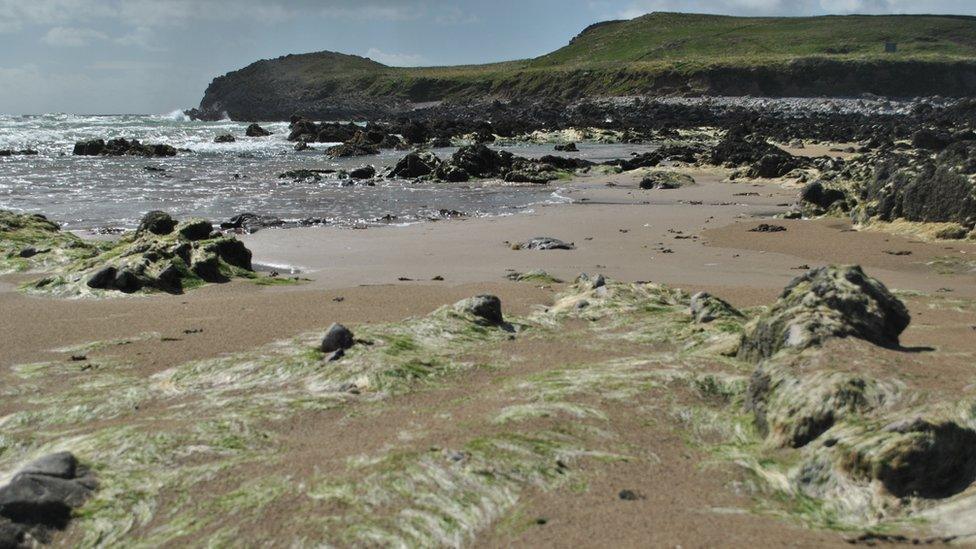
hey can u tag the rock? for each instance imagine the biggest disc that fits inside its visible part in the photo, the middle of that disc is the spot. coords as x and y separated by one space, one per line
919 457
544 243
92 147
41 498
346 150
102 279
337 338
304 130
767 228
301 146
251 223
476 161
156 222
706 308
763 159
299 176
363 172
930 190
255 130
820 196
29 251
834 301
931 140
225 138
59 464
568 147
487 308
416 164
196 229
121 147
666 180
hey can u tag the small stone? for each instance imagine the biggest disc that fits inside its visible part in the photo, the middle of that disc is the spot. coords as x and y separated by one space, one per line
628 495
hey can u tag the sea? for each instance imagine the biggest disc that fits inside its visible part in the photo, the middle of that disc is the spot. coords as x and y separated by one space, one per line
217 181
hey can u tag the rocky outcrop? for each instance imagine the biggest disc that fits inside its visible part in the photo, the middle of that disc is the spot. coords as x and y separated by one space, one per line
121 147
224 138
706 308
31 242
939 189
41 498
829 302
762 159
161 255
251 223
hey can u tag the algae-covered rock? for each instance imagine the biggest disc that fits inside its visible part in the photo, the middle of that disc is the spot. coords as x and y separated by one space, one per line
834 301
705 308
666 180
927 457
793 410
176 260
32 242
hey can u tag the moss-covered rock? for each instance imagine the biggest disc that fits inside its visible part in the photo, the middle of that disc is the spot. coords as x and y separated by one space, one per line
828 302
178 259
32 242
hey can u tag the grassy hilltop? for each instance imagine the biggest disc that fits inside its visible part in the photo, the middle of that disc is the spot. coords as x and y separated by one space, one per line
659 53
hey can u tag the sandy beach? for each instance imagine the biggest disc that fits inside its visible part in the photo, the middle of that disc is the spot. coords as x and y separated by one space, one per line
694 238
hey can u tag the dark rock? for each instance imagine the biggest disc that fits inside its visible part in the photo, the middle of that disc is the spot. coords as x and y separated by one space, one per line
767 228
363 172
251 223
41 498
477 161
487 308
126 281
337 338
568 147
225 138
157 222
820 196
121 147
233 252
196 229
29 251
102 279
301 146
764 159
347 150
834 301
255 130
416 164
931 139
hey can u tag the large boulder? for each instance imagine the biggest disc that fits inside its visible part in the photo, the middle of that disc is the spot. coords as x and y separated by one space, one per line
121 147
349 149
824 303
477 161
666 180
225 138
817 194
337 338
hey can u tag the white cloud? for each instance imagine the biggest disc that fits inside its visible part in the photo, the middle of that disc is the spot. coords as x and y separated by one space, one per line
141 37
397 59
72 37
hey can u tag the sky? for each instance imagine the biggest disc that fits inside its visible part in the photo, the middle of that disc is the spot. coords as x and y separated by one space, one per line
156 56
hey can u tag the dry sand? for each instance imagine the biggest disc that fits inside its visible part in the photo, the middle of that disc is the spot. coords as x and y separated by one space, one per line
695 238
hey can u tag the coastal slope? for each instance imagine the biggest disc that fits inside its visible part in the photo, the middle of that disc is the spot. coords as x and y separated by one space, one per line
656 54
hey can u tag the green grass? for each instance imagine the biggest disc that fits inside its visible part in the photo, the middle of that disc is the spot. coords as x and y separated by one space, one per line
629 57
